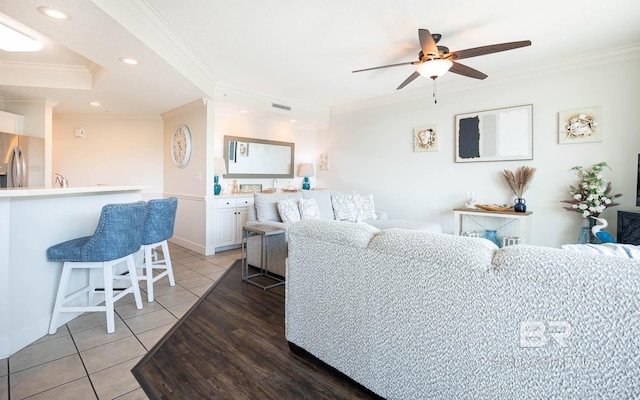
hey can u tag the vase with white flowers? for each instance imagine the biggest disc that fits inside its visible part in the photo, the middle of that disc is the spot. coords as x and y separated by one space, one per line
592 195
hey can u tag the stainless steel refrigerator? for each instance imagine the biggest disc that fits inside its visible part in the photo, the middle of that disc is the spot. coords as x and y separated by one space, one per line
21 161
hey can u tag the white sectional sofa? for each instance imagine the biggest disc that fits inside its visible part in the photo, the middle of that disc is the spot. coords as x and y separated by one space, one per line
422 315
317 204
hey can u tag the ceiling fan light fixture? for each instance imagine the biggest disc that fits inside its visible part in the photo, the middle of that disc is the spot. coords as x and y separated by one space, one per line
434 68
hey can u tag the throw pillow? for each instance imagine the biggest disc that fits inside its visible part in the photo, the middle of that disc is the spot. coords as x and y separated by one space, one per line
309 209
323 198
288 210
267 205
368 208
347 207
607 249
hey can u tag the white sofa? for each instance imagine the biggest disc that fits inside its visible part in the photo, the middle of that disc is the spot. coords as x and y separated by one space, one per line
421 315
344 206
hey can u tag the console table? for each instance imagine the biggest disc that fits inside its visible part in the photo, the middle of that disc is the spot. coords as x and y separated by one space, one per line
506 223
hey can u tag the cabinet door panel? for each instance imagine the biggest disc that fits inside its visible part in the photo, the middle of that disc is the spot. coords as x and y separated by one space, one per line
227 227
242 217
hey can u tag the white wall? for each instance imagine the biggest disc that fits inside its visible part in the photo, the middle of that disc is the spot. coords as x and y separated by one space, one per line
189 184
115 150
371 149
229 121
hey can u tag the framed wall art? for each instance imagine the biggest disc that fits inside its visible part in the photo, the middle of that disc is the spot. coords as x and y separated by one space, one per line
581 125
502 134
425 138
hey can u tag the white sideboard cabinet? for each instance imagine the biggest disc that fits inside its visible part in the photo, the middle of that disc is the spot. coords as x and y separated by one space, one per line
231 214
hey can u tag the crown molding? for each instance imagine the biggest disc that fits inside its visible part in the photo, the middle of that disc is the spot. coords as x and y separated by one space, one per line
143 21
176 112
29 74
586 61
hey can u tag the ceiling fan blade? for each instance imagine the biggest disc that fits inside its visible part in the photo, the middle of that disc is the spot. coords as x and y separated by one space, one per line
427 44
387 66
461 69
408 80
483 50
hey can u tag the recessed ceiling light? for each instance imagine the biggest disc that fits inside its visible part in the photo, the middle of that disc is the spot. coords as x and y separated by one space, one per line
94 104
53 13
293 121
130 61
244 111
12 40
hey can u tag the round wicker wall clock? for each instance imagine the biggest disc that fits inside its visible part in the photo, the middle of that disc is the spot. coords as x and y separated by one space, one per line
181 146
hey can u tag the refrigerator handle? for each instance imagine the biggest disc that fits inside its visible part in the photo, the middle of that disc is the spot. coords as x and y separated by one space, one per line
23 168
15 168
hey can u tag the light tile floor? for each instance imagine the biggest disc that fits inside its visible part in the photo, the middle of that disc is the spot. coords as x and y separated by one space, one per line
81 361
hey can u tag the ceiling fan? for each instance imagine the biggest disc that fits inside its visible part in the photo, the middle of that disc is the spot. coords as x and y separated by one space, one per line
434 61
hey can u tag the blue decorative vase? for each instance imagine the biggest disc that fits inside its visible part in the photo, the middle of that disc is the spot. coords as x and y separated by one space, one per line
492 235
306 185
520 205
216 186
586 236
583 236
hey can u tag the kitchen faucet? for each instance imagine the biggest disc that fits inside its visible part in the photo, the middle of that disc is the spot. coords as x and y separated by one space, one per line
61 181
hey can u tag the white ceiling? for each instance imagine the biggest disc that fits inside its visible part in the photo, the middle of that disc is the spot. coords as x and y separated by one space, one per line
297 50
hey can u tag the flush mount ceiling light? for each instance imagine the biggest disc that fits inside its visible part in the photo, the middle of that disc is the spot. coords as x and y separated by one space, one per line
94 104
130 61
53 13
14 41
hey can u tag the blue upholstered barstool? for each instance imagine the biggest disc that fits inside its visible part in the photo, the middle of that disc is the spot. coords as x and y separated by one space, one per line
158 227
117 237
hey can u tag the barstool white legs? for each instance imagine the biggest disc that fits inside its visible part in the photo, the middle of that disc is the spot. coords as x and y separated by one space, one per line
90 290
152 262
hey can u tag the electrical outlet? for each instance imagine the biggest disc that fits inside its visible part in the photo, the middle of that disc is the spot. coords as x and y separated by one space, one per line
79 132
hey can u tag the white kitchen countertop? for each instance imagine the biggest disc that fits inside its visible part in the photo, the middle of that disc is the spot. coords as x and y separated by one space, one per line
30 192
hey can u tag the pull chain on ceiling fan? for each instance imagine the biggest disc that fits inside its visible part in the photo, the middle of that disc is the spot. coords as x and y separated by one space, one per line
435 61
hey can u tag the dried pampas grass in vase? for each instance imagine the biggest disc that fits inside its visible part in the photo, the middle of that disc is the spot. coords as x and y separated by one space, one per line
519 183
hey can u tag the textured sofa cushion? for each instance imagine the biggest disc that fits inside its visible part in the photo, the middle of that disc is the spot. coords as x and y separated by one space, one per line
288 210
267 205
309 209
323 198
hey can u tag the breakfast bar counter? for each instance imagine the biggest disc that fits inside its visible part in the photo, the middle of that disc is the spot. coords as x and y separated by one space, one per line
32 220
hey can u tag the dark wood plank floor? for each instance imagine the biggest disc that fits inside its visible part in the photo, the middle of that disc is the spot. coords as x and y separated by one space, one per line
231 345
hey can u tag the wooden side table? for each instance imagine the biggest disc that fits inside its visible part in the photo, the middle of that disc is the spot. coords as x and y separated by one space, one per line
506 223
264 231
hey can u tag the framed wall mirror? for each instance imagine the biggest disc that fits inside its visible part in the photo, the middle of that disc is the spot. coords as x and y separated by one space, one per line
257 158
